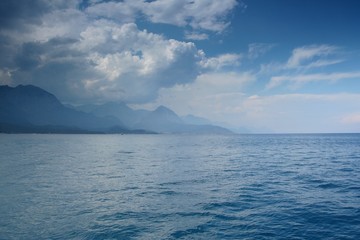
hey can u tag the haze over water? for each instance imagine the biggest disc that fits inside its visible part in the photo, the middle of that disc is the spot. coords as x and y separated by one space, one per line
180 186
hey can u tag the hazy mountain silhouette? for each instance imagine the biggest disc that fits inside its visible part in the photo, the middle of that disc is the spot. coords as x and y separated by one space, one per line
191 119
32 109
165 120
120 110
162 119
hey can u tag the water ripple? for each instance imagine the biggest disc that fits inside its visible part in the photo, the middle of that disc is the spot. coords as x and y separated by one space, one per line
180 187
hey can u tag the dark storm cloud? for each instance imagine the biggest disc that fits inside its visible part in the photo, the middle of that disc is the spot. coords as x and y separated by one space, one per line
17 16
14 13
33 54
53 65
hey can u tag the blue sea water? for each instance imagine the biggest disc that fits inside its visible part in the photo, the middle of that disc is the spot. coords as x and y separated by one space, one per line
180 186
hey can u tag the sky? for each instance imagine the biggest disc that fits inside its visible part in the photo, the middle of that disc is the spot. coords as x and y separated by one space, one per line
281 66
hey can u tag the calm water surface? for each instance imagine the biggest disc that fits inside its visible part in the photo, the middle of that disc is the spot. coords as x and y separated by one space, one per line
180 187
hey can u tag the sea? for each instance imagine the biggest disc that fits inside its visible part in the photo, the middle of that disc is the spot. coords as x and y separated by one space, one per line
167 186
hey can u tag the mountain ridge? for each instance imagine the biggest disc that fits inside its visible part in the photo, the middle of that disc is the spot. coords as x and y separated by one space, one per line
162 119
27 108
31 109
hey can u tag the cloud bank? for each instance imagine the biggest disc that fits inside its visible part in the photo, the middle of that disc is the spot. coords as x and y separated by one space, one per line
95 50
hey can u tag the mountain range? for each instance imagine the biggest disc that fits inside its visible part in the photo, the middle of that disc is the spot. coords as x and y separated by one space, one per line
30 109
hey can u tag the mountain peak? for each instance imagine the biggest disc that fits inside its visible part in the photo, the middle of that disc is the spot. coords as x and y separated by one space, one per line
29 87
33 91
166 113
27 108
25 93
32 109
163 109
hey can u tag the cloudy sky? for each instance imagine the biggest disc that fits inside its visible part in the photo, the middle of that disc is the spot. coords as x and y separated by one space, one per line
268 66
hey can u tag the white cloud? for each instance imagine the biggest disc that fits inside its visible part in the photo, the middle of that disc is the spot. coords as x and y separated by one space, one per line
307 56
225 82
306 64
65 23
122 12
98 52
219 62
211 95
297 80
116 65
323 63
196 36
302 59
56 4
199 14
258 49
101 58
137 62
107 61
